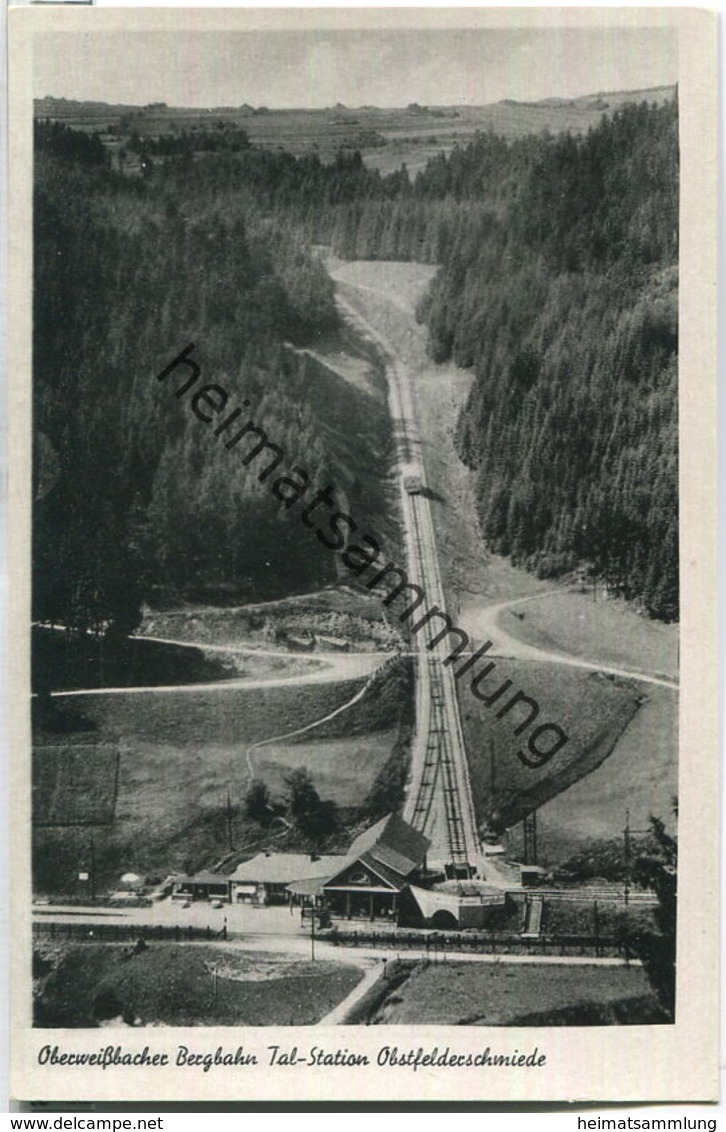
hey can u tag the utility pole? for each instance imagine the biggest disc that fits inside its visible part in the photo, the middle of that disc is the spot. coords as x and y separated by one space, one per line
530 838
312 932
93 868
230 846
626 855
492 769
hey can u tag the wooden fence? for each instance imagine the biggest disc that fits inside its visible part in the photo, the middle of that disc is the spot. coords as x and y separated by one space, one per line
429 943
490 943
98 932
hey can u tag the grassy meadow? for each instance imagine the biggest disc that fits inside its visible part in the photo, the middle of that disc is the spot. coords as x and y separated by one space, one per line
181 753
501 994
592 709
595 628
88 985
640 776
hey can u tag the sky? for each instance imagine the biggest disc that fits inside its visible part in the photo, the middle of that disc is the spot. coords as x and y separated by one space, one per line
392 67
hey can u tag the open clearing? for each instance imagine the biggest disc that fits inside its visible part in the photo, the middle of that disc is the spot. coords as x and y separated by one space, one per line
485 994
607 631
502 784
180 756
183 985
640 776
74 784
346 766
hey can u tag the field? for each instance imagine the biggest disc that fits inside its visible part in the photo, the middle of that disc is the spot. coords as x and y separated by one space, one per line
74 785
591 709
602 629
347 767
348 752
182 753
640 776
387 138
501 994
183 985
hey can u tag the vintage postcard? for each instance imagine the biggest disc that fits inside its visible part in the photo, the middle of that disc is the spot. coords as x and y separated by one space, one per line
362 484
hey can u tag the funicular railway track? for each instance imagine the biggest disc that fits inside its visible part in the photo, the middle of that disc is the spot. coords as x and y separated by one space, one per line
443 770
439 770
439 791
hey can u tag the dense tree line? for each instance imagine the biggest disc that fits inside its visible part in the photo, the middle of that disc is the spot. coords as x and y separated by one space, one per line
229 139
569 312
558 285
73 145
131 499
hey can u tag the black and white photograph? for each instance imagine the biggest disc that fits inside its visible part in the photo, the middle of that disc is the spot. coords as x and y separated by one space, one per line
355 556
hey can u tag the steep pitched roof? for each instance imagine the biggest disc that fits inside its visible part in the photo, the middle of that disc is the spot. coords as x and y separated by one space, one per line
393 843
344 878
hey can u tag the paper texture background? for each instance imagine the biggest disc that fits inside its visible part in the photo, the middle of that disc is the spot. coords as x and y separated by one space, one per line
669 1063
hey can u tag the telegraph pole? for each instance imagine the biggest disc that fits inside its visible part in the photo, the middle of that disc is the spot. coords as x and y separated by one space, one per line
626 854
93 868
492 769
230 846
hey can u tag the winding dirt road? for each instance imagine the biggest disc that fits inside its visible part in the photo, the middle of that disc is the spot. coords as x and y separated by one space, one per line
487 624
302 730
329 668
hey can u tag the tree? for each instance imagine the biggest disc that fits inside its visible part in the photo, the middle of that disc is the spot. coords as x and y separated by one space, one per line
320 823
302 797
315 818
657 869
258 806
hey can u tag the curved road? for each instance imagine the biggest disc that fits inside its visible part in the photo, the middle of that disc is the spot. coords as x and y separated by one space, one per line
333 668
505 645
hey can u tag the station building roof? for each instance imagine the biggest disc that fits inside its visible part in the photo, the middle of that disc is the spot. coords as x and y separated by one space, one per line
284 868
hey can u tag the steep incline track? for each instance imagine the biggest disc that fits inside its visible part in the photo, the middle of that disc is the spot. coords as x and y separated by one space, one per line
439 800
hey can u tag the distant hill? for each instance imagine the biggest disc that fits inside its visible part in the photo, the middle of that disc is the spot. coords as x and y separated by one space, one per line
387 138
604 99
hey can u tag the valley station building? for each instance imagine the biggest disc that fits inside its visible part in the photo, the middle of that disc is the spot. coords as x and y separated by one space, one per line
266 878
380 864
366 882
383 876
